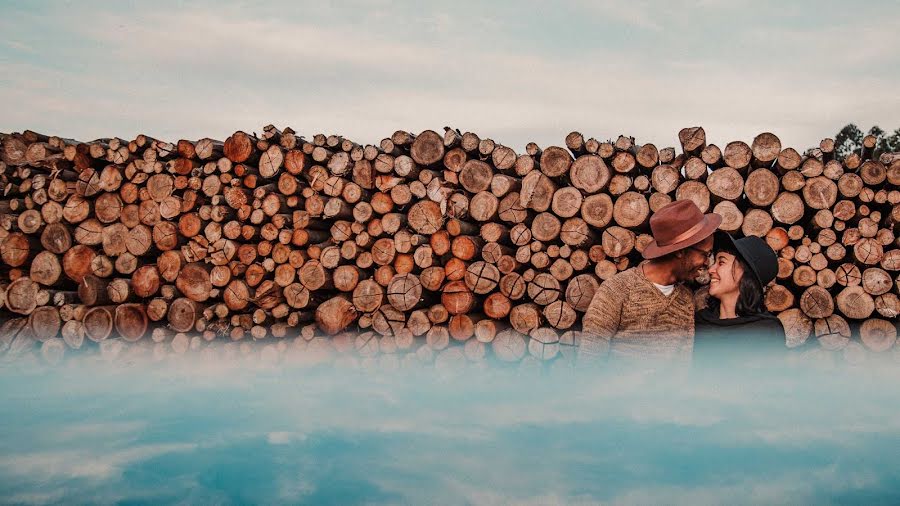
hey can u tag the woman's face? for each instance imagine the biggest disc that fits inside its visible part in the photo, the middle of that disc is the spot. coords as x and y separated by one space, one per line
724 276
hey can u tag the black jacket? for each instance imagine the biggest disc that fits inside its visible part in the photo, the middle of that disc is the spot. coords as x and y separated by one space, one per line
717 340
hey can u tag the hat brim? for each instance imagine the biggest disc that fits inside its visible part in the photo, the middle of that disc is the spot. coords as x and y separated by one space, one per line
724 241
711 223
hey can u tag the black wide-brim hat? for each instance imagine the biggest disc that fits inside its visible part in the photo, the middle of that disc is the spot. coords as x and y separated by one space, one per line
756 254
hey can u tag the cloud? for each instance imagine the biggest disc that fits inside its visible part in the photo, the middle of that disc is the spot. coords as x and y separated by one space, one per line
283 438
42 497
792 487
104 430
82 464
368 69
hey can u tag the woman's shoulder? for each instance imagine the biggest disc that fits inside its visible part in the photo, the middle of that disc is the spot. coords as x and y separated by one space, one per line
706 316
769 320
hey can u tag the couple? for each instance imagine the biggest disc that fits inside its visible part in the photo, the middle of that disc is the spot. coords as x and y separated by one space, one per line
646 311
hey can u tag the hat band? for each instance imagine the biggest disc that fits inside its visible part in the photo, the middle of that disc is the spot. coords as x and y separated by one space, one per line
684 235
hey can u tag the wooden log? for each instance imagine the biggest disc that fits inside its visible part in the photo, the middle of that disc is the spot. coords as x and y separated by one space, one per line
98 322
437 338
854 303
647 156
56 238
597 210
45 269
482 277
797 326
194 282
833 332
537 191
73 334
22 296
44 323
560 315
476 176
131 321
617 241
575 143
757 222
868 251
497 306
145 281
543 344
545 227
732 217
457 298
566 202
876 281
589 173
15 249
555 161
888 305
631 210
335 315
878 335
404 292
239 147
737 155
873 173
525 317
509 346
726 183
544 289
695 191
816 302
788 208
425 217
427 148
462 327
695 168
580 291
513 286
778 298
692 139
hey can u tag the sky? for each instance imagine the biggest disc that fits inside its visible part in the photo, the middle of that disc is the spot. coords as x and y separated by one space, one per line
87 433
511 71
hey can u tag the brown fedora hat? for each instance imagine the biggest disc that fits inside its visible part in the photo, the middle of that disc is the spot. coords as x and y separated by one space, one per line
679 225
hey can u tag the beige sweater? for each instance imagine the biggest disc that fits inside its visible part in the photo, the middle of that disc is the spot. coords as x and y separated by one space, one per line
629 316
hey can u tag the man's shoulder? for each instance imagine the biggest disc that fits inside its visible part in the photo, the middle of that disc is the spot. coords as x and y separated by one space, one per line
624 278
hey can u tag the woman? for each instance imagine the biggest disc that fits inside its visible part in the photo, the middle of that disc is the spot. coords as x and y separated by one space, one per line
736 319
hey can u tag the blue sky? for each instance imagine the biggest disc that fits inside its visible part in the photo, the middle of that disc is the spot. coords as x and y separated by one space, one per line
232 433
512 71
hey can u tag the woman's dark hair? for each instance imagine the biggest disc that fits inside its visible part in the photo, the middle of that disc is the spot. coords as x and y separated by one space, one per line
750 292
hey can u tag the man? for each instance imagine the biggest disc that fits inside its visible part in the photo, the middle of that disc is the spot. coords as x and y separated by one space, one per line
645 311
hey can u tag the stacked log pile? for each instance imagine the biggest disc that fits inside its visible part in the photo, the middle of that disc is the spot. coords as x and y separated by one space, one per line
424 247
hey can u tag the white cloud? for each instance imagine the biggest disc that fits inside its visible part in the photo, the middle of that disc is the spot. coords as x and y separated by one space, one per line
212 71
42 497
82 464
283 438
793 487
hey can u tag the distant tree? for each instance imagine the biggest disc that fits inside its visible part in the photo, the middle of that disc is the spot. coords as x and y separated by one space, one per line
848 140
891 143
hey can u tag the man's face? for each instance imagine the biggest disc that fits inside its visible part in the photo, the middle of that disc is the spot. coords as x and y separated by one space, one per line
695 259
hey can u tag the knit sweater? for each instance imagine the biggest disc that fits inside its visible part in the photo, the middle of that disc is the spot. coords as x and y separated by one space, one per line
630 317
